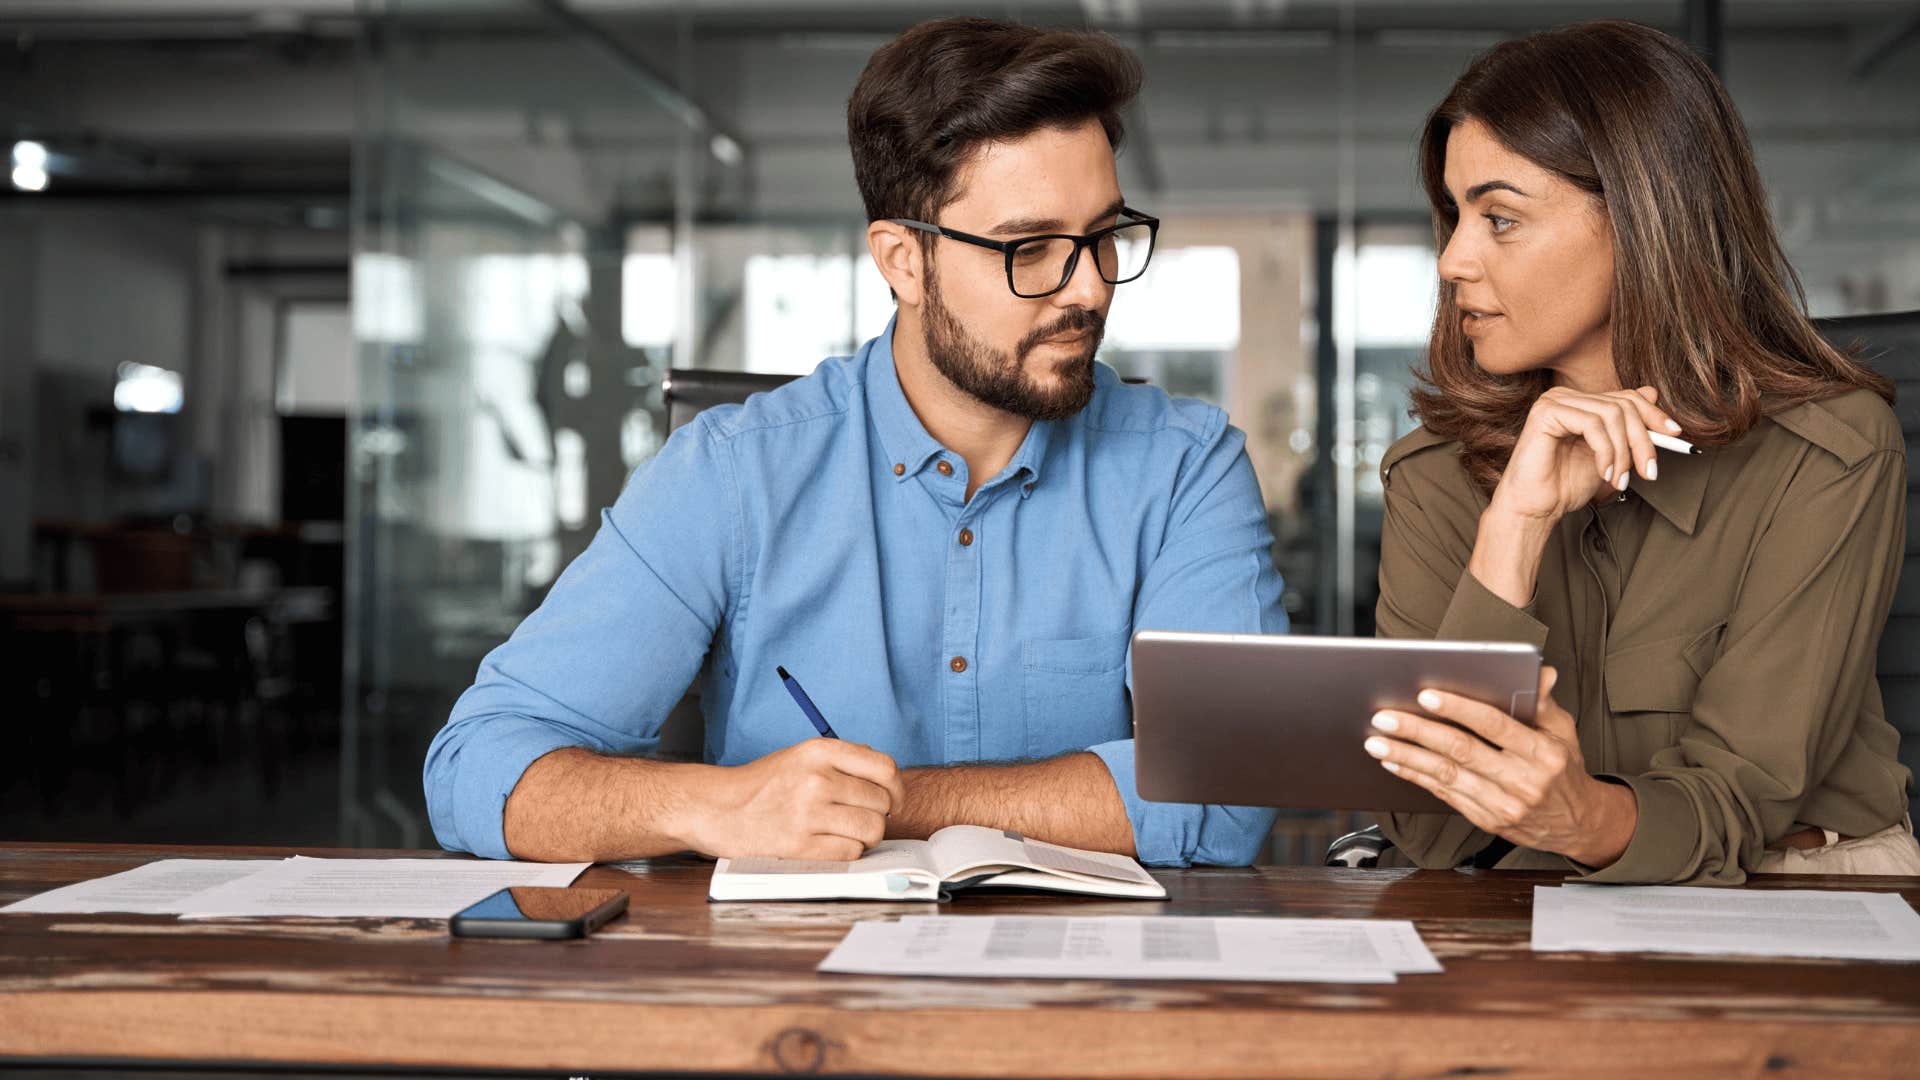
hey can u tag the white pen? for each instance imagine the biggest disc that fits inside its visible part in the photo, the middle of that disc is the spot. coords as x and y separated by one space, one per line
1668 442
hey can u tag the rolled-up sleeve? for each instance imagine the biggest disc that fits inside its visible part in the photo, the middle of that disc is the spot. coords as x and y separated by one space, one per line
1213 572
1777 709
602 661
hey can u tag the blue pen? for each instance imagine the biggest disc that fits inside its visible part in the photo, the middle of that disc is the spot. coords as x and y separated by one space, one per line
806 704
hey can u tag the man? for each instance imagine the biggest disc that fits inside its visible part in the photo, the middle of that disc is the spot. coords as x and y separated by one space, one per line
947 538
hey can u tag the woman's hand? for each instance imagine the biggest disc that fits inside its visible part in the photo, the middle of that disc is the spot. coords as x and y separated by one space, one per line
1575 447
1529 786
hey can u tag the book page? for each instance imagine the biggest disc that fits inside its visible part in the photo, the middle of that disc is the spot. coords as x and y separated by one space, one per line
959 850
886 857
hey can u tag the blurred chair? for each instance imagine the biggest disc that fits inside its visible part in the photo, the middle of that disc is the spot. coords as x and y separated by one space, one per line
688 393
1890 344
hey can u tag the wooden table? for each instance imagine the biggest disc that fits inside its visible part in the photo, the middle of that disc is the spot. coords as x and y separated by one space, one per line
681 985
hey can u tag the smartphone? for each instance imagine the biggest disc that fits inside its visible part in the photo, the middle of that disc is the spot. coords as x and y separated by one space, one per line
531 911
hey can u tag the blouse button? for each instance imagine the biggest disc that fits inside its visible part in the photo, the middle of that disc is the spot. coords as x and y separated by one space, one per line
945 469
958 664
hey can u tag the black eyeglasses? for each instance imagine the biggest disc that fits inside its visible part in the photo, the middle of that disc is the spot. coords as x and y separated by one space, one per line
1042 265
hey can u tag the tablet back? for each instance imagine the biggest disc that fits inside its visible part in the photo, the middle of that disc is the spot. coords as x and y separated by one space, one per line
1278 720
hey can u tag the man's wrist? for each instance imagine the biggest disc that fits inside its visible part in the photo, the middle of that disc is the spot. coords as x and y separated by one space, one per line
696 802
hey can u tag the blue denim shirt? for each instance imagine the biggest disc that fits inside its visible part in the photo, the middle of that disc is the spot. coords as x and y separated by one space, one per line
819 527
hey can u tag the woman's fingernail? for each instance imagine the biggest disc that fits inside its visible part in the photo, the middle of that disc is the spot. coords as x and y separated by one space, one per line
1653 468
1377 746
1385 722
1390 766
1622 482
1673 426
1429 699
1607 474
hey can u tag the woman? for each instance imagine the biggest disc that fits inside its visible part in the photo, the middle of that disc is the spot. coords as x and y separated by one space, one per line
1609 270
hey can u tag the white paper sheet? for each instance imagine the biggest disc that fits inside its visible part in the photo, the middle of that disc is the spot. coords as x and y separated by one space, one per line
1134 947
1823 923
391 888
158 888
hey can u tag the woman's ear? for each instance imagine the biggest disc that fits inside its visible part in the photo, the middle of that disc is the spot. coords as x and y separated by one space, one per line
900 258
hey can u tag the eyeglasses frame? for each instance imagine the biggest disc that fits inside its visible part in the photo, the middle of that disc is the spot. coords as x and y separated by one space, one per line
1080 243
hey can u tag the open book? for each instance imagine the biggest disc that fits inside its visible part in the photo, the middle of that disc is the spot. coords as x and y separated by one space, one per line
956 857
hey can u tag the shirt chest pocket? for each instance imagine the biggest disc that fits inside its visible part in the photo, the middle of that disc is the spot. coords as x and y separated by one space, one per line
1076 692
1651 687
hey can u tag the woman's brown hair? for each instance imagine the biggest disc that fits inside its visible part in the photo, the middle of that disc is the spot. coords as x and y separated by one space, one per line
1705 307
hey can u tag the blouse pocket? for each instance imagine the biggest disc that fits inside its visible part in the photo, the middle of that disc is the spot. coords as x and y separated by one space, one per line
1076 692
1651 687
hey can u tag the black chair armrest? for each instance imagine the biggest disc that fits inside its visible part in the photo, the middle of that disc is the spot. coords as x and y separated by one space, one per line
1361 848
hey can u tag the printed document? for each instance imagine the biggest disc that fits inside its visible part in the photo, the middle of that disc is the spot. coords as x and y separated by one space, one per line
158 888
390 888
1823 923
1130 947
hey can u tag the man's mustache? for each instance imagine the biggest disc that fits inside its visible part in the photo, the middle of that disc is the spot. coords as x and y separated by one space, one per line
1073 322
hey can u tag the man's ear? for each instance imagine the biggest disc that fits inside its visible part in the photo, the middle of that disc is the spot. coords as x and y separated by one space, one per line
900 258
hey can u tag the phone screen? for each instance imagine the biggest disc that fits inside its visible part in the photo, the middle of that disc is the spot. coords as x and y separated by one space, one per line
526 910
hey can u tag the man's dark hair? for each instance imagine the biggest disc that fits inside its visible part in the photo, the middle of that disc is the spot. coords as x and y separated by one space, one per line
931 97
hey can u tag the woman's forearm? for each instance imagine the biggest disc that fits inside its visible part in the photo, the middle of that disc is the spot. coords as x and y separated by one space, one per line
1506 553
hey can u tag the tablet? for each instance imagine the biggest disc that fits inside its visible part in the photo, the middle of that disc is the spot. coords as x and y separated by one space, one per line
1278 720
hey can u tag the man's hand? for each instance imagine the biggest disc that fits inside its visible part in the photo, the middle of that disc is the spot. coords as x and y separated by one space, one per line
820 799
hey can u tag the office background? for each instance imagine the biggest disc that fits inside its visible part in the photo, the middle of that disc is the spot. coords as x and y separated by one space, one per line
326 328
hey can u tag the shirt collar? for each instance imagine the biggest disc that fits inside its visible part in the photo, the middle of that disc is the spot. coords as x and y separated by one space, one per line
1681 489
909 448
908 445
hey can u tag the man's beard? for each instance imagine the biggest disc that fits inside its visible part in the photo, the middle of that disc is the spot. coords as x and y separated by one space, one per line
994 378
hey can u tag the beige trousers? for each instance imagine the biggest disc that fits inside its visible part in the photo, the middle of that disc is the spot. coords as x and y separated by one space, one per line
1891 851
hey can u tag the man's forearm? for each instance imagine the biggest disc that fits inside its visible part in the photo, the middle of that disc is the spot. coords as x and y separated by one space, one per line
1068 800
573 805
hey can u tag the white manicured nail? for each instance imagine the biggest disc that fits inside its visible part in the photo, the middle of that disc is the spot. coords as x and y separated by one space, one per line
1653 469
1673 426
1622 482
1385 722
1390 766
1607 474
1377 746
1429 699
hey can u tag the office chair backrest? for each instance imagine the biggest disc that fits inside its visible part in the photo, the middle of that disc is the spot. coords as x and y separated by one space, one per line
1890 344
689 392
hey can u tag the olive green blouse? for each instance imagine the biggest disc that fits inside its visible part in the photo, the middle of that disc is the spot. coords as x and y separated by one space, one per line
1715 633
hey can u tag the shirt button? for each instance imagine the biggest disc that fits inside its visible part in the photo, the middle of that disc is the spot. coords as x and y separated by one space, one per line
899 469
958 664
966 537
945 469
1600 543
